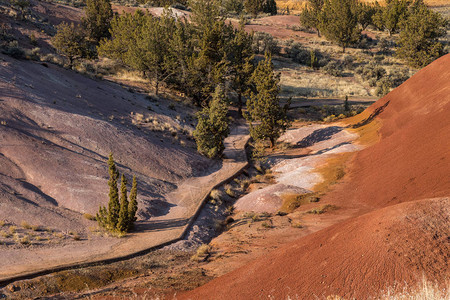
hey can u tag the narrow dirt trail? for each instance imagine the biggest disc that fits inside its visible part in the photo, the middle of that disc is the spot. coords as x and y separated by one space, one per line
186 201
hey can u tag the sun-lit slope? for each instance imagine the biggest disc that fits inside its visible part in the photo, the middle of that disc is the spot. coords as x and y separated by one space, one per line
357 258
412 158
58 128
402 238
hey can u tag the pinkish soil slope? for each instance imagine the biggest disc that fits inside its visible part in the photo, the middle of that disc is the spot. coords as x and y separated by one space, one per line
58 128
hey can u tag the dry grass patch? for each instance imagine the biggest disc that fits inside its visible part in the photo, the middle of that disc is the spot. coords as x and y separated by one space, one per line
322 209
332 171
202 253
12 229
25 225
293 201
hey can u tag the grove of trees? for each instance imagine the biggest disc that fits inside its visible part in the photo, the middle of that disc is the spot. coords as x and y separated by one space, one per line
342 21
120 215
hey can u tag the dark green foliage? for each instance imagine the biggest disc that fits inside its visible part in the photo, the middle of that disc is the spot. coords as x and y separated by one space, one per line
132 205
371 71
233 7
365 12
97 20
120 214
310 16
339 20
383 87
254 7
241 58
377 17
114 203
142 42
122 222
192 57
267 119
70 41
212 127
419 44
12 49
390 16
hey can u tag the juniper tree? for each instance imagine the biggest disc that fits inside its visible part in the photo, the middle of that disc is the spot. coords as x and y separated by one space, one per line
241 63
132 205
268 120
365 12
123 221
108 218
121 213
143 43
70 41
391 15
212 127
339 22
310 15
418 40
114 203
98 19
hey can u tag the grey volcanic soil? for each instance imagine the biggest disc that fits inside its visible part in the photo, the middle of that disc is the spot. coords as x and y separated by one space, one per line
57 129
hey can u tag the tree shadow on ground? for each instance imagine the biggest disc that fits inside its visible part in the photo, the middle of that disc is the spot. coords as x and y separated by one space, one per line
319 135
160 225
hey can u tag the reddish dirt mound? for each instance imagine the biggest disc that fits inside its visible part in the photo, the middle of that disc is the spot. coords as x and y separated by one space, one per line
411 161
397 243
357 258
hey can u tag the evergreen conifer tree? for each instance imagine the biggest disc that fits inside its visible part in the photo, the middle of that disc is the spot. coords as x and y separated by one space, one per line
393 13
241 63
212 127
98 19
309 16
123 221
132 205
339 22
418 39
70 41
268 120
113 204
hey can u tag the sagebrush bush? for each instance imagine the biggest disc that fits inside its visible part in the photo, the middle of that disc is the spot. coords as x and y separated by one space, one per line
334 68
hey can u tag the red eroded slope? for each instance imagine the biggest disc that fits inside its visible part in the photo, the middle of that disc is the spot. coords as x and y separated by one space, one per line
357 258
411 161
401 239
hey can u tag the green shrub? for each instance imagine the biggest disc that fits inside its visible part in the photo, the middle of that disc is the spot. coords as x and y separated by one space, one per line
334 68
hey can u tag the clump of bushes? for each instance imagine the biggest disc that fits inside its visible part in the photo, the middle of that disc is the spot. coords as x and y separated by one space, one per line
371 72
264 42
334 68
13 49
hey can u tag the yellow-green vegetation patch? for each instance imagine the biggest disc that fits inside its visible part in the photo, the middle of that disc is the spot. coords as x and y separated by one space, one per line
293 201
332 171
25 225
322 209
202 253
89 217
